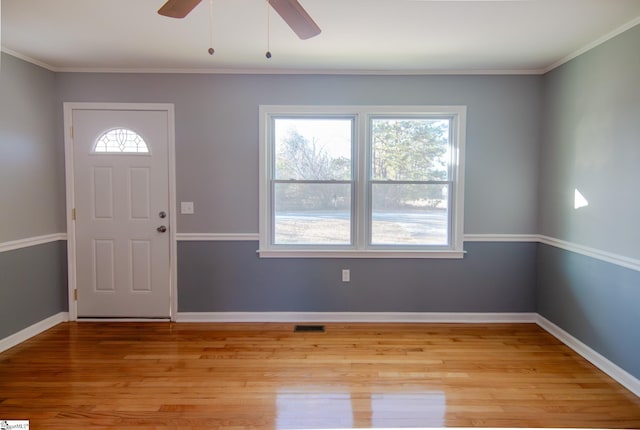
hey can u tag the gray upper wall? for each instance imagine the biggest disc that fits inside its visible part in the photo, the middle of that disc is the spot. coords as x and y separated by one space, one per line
32 193
591 141
217 135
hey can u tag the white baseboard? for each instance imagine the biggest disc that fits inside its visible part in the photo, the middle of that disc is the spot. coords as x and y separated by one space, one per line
32 330
364 317
620 375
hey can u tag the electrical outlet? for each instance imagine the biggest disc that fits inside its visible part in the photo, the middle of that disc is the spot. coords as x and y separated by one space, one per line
186 208
346 275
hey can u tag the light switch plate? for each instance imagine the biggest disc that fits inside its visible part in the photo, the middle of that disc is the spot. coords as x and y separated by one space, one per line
186 208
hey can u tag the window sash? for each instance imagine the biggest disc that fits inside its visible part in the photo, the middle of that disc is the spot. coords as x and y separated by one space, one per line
273 214
328 117
413 117
371 210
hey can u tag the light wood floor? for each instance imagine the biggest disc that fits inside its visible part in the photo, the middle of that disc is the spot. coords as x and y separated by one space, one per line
237 376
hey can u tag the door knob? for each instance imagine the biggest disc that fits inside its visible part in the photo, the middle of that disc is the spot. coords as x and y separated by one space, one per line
162 229
162 214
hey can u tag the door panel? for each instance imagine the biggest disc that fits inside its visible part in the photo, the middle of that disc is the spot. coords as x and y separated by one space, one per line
104 265
103 187
122 257
140 190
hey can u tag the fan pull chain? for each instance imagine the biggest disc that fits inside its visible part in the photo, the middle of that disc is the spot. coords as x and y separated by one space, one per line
211 50
268 54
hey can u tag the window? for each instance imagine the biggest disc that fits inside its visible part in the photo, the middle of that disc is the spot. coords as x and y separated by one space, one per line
361 181
121 140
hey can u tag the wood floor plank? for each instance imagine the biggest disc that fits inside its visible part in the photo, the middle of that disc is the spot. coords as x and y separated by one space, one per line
265 376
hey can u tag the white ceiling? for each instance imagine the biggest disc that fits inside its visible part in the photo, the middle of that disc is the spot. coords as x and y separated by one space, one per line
358 36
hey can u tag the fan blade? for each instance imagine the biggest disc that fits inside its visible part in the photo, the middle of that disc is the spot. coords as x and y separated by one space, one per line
178 8
296 17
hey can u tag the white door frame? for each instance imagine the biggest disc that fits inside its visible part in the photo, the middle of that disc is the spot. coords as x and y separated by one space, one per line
68 108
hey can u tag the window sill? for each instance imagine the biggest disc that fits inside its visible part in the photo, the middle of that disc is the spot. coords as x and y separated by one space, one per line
270 253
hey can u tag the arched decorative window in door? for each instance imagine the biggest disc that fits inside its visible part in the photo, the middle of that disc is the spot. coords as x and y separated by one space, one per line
120 140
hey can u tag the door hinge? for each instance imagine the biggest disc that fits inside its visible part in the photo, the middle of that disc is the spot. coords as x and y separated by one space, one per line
73 214
75 294
71 131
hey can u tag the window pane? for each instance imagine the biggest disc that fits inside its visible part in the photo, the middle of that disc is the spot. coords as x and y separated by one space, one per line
410 149
120 140
312 214
409 214
313 149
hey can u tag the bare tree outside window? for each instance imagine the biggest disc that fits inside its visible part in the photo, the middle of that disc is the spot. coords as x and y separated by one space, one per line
312 192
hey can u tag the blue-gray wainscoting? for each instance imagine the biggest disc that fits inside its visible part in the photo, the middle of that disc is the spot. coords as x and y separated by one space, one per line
226 276
596 302
33 285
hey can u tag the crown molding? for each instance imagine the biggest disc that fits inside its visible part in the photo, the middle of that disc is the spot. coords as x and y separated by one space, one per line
629 25
28 59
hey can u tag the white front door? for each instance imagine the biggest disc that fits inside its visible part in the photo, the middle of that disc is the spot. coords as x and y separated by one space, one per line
121 194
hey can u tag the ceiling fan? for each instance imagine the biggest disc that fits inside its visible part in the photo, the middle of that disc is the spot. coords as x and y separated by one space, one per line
291 12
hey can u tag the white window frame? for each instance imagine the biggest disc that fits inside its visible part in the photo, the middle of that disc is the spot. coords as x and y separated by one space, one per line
360 198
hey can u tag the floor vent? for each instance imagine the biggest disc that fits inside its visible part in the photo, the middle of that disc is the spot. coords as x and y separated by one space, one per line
307 328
